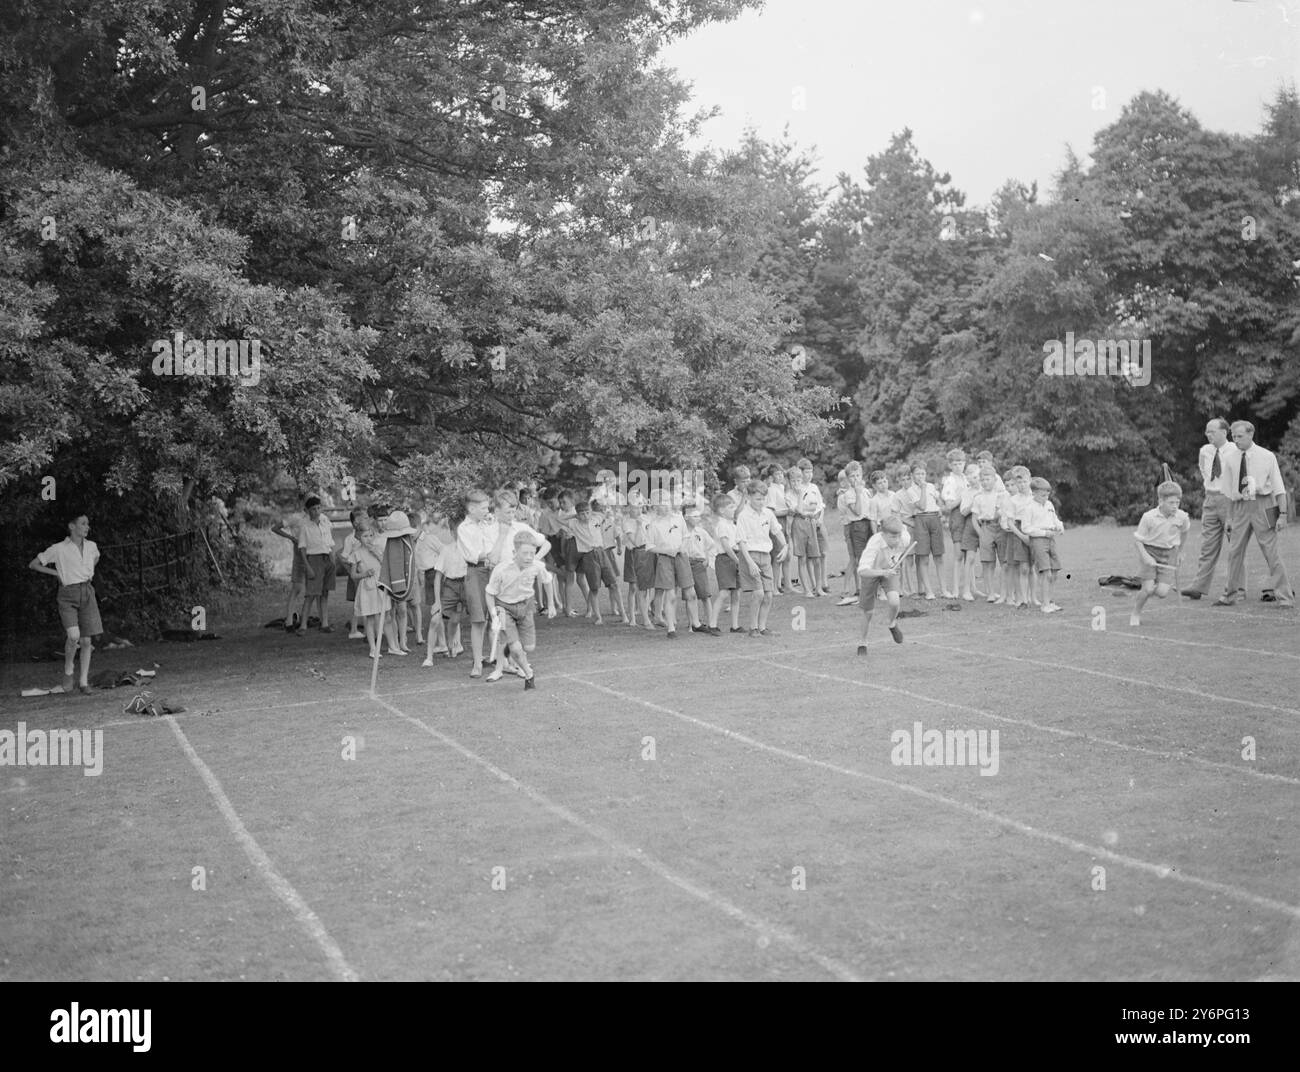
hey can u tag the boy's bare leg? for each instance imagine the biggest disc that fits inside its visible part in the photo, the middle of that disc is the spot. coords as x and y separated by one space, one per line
86 648
764 608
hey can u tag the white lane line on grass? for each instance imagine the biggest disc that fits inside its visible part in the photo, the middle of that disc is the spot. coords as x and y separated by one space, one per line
1144 682
1134 635
714 900
1095 851
280 886
1155 753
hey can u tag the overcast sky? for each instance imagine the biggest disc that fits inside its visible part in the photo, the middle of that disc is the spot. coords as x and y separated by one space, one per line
993 89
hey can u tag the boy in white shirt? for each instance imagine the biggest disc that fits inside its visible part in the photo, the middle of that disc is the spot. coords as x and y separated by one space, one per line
1019 499
951 489
699 548
1039 522
726 563
73 561
665 535
966 544
510 606
1160 537
984 517
879 568
756 529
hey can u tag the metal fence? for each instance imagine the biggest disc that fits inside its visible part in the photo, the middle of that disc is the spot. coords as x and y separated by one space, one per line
127 572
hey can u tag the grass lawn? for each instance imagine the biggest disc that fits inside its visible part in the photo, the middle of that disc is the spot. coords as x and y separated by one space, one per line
770 837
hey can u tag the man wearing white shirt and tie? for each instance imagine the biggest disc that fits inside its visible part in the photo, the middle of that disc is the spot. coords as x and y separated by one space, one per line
1214 512
1258 504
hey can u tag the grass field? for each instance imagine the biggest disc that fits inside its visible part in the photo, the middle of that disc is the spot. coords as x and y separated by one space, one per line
1118 749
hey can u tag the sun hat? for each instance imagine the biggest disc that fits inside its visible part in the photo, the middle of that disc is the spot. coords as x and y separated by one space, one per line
398 524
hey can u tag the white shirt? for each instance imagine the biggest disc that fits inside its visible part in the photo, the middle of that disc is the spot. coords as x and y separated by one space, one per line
477 538
951 489
1206 462
510 584
1039 519
849 499
315 537
754 528
508 550
699 544
1157 530
428 552
1260 464
878 554
810 501
724 533
663 535
73 564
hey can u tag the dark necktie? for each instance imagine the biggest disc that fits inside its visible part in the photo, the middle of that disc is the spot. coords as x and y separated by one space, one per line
1241 482
1216 468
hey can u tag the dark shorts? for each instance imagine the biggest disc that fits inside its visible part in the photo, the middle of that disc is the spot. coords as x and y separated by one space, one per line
704 588
589 567
629 564
517 625
869 587
956 525
989 537
323 583
78 607
858 533
927 530
608 570
803 538
1043 549
750 582
644 567
1163 572
727 572
454 603
1003 546
673 571
1019 551
476 579
569 554
970 537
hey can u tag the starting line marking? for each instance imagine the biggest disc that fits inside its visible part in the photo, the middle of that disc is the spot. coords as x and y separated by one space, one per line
280 886
1094 851
714 900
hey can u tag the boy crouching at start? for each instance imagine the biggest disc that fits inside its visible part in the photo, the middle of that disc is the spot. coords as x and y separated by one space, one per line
1160 535
878 568
510 606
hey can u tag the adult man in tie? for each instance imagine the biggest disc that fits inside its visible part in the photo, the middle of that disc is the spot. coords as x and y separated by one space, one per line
1214 512
1258 504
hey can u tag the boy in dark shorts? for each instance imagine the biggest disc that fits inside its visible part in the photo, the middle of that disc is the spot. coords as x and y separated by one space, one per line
878 570
73 561
1160 536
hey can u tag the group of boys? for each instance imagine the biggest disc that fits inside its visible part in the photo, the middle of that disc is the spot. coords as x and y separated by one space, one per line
692 556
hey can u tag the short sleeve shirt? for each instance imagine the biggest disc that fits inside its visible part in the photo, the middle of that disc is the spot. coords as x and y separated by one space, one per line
73 564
